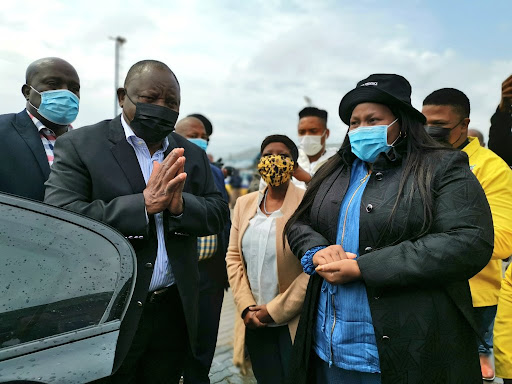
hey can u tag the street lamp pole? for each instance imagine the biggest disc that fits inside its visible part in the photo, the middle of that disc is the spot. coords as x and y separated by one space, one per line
119 41
308 101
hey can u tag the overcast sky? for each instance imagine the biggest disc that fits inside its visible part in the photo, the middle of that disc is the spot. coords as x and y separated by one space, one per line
247 65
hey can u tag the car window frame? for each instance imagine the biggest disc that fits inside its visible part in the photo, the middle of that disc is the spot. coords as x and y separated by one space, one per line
118 241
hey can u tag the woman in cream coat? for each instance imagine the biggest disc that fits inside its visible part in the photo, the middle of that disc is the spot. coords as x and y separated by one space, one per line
266 278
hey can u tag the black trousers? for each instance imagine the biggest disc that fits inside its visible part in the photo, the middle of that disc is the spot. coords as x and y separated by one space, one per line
270 351
157 354
197 367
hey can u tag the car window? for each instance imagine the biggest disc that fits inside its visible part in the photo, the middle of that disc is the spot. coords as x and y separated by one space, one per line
56 276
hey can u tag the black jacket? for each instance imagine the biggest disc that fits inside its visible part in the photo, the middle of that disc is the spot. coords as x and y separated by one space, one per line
417 288
500 135
23 162
96 173
212 272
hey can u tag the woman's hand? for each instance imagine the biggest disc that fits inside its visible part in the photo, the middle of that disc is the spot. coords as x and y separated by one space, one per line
250 319
262 314
341 271
330 254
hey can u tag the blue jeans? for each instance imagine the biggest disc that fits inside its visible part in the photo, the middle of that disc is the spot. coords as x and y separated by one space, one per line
485 320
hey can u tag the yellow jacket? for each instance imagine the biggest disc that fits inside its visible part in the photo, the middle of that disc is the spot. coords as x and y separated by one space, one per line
496 179
503 330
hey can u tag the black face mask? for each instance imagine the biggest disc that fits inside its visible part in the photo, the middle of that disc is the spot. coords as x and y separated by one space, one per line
153 123
439 134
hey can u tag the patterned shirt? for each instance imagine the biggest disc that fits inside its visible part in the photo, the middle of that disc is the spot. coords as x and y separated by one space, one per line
48 137
162 274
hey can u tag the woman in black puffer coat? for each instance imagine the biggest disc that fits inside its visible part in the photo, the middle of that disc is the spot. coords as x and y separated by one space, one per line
424 229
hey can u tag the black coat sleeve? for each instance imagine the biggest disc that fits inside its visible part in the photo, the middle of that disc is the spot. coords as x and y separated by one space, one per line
302 237
500 135
458 246
205 213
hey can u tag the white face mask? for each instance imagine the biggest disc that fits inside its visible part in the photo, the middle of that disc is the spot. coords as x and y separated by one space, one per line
311 145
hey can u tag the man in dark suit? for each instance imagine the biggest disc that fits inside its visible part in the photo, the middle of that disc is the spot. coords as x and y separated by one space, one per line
52 91
212 265
131 173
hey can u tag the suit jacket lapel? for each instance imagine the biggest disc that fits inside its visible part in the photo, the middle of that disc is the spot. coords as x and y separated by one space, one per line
125 155
28 131
172 144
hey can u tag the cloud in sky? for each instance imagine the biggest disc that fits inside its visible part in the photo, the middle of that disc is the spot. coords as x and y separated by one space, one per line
248 65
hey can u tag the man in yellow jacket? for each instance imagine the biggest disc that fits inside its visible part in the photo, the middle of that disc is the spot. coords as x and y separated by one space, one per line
500 139
447 112
503 330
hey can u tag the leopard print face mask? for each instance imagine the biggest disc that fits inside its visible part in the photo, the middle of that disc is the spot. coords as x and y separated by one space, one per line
276 169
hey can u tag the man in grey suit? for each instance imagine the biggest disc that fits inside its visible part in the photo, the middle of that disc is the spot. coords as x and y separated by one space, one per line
131 173
52 92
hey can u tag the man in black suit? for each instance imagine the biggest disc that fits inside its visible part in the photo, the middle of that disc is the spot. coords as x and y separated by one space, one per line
52 91
213 277
131 173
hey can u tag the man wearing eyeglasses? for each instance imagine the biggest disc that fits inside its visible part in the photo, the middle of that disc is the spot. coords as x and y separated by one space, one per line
447 112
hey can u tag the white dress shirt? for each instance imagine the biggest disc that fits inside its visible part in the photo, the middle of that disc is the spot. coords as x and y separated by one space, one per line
259 254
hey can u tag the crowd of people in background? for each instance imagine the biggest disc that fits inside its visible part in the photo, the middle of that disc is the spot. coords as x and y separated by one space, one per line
378 261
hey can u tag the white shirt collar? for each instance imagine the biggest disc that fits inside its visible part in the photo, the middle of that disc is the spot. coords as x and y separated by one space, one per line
128 131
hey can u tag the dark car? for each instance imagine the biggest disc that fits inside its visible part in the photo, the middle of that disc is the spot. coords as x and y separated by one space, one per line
65 284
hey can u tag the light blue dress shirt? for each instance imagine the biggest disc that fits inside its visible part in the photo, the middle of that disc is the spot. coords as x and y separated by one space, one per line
162 273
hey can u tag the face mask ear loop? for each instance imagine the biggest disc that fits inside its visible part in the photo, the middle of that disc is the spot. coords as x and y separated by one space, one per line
39 93
33 106
35 90
399 136
129 98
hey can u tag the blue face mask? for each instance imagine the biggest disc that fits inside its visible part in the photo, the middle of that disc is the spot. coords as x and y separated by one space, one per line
368 142
201 143
59 106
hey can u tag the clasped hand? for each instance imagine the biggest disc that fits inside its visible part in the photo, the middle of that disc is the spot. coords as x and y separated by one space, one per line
336 266
165 185
257 317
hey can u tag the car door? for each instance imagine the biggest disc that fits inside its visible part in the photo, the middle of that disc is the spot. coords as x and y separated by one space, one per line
65 285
